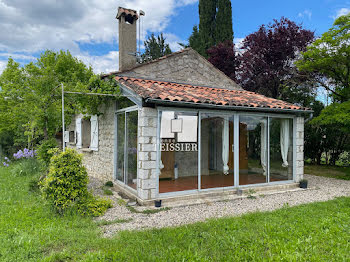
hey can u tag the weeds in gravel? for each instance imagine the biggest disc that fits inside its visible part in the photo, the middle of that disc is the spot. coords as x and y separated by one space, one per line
121 202
107 192
111 222
251 193
147 211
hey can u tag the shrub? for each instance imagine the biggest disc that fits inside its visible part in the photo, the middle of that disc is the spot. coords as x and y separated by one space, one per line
93 206
109 184
44 151
107 192
66 185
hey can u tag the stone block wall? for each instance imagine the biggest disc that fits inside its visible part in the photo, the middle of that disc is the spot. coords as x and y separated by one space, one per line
299 149
184 67
147 153
100 164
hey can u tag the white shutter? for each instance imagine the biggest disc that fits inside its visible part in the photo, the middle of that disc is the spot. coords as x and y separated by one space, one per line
66 136
94 133
78 132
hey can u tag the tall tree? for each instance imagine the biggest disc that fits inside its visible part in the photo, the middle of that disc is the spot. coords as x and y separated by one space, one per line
155 47
223 27
267 62
223 57
327 60
215 25
207 23
30 96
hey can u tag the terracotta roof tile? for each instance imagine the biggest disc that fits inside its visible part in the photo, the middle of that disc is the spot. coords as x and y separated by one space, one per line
171 91
126 11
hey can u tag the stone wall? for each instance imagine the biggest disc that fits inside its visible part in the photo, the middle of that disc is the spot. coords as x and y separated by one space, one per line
299 149
147 154
100 164
184 67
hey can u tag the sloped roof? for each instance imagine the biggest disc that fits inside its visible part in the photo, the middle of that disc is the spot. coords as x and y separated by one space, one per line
201 95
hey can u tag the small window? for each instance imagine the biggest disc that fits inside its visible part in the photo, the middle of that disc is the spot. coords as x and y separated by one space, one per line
71 137
86 132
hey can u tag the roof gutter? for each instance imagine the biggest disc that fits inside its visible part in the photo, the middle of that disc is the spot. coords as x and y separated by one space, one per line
238 108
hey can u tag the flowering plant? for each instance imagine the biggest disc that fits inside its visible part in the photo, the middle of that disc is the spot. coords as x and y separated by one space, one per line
6 162
26 153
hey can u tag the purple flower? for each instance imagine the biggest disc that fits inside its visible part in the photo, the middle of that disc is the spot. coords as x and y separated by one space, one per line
5 164
7 159
26 153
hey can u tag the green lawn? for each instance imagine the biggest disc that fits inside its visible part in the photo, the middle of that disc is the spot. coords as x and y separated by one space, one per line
338 172
30 231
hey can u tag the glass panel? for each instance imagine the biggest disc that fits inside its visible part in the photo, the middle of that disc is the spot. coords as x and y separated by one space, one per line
120 146
131 132
252 150
124 102
281 149
178 152
216 151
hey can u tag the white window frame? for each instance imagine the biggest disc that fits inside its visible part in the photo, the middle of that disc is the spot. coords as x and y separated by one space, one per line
236 115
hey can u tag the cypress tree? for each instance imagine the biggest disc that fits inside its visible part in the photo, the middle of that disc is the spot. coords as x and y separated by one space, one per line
223 28
207 16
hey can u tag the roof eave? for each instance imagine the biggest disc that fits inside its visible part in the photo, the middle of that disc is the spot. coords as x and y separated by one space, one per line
226 107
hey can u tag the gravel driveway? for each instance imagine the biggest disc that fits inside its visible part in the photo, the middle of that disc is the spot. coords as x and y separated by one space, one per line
321 189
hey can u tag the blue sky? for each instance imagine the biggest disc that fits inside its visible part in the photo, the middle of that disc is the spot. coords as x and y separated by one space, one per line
89 30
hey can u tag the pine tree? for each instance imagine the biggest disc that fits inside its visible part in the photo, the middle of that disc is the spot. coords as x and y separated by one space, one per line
223 28
207 16
194 40
155 47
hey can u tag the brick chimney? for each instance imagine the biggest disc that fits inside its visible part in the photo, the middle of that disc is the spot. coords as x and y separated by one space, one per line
127 38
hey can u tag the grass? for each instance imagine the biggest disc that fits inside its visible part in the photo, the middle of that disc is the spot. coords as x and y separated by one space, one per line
31 231
338 172
111 222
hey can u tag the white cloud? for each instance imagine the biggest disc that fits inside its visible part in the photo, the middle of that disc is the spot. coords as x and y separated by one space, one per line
341 12
2 65
305 13
34 26
102 64
173 41
238 42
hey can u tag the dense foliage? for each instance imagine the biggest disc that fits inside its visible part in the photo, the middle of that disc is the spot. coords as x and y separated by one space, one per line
327 62
65 186
155 47
223 57
215 25
30 97
223 27
266 64
45 151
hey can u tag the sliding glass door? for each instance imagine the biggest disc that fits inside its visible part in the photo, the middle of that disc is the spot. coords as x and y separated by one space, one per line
127 148
201 150
253 150
217 146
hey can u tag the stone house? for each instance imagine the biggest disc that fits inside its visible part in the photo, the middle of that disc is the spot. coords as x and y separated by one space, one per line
183 129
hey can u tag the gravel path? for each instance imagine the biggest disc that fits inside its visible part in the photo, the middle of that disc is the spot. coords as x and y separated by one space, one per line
322 189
